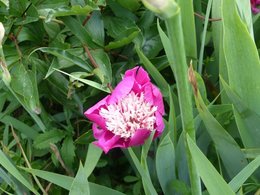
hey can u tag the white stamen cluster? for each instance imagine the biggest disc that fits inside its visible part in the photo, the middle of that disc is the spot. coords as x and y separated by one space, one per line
129 114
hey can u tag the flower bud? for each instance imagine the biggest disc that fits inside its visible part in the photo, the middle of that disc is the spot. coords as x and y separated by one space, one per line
164 8
2 32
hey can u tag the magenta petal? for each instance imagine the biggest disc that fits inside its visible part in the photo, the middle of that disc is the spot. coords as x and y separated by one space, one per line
158 99
140 75
96 106
108 141
139 137
159 124
121 90
93 112
148 93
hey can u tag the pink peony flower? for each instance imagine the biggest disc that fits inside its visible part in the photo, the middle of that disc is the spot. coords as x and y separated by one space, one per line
129 114
254 4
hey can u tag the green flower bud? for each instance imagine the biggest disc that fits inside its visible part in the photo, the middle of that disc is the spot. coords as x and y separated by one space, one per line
164 8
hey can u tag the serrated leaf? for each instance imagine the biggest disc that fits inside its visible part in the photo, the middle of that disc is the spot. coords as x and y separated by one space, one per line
44 140
68 151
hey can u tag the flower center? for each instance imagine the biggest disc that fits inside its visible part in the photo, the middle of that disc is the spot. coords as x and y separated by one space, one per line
129 114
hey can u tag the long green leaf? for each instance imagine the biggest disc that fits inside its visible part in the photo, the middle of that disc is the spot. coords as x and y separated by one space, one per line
8 165
243 175
80 184
229 151
66 182
92 158
165 164
189 30
242 58
142 172
247 120
213 181
67 56
20 126
88 82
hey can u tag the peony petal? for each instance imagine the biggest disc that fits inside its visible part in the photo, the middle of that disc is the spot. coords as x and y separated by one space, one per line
93 112
96 106
159 124
148 93
106 140
107 144
139 74
121 90
153 95
139 137
158 99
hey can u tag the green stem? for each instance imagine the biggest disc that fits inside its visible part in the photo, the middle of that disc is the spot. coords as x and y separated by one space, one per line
180 69
204 36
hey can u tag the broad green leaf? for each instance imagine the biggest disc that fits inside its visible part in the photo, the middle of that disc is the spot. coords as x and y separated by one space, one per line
104 65
8 165
95 27
244 9
122 30
80 32
24 85
165 164
244 174
92 158
122 42
155 74
88 82
229 151
247 120
242 58
44 140
213 181
80 183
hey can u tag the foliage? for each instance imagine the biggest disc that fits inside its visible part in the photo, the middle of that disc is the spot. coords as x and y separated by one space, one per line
58 58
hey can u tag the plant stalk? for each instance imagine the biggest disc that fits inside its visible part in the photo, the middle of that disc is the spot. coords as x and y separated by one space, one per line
180 69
